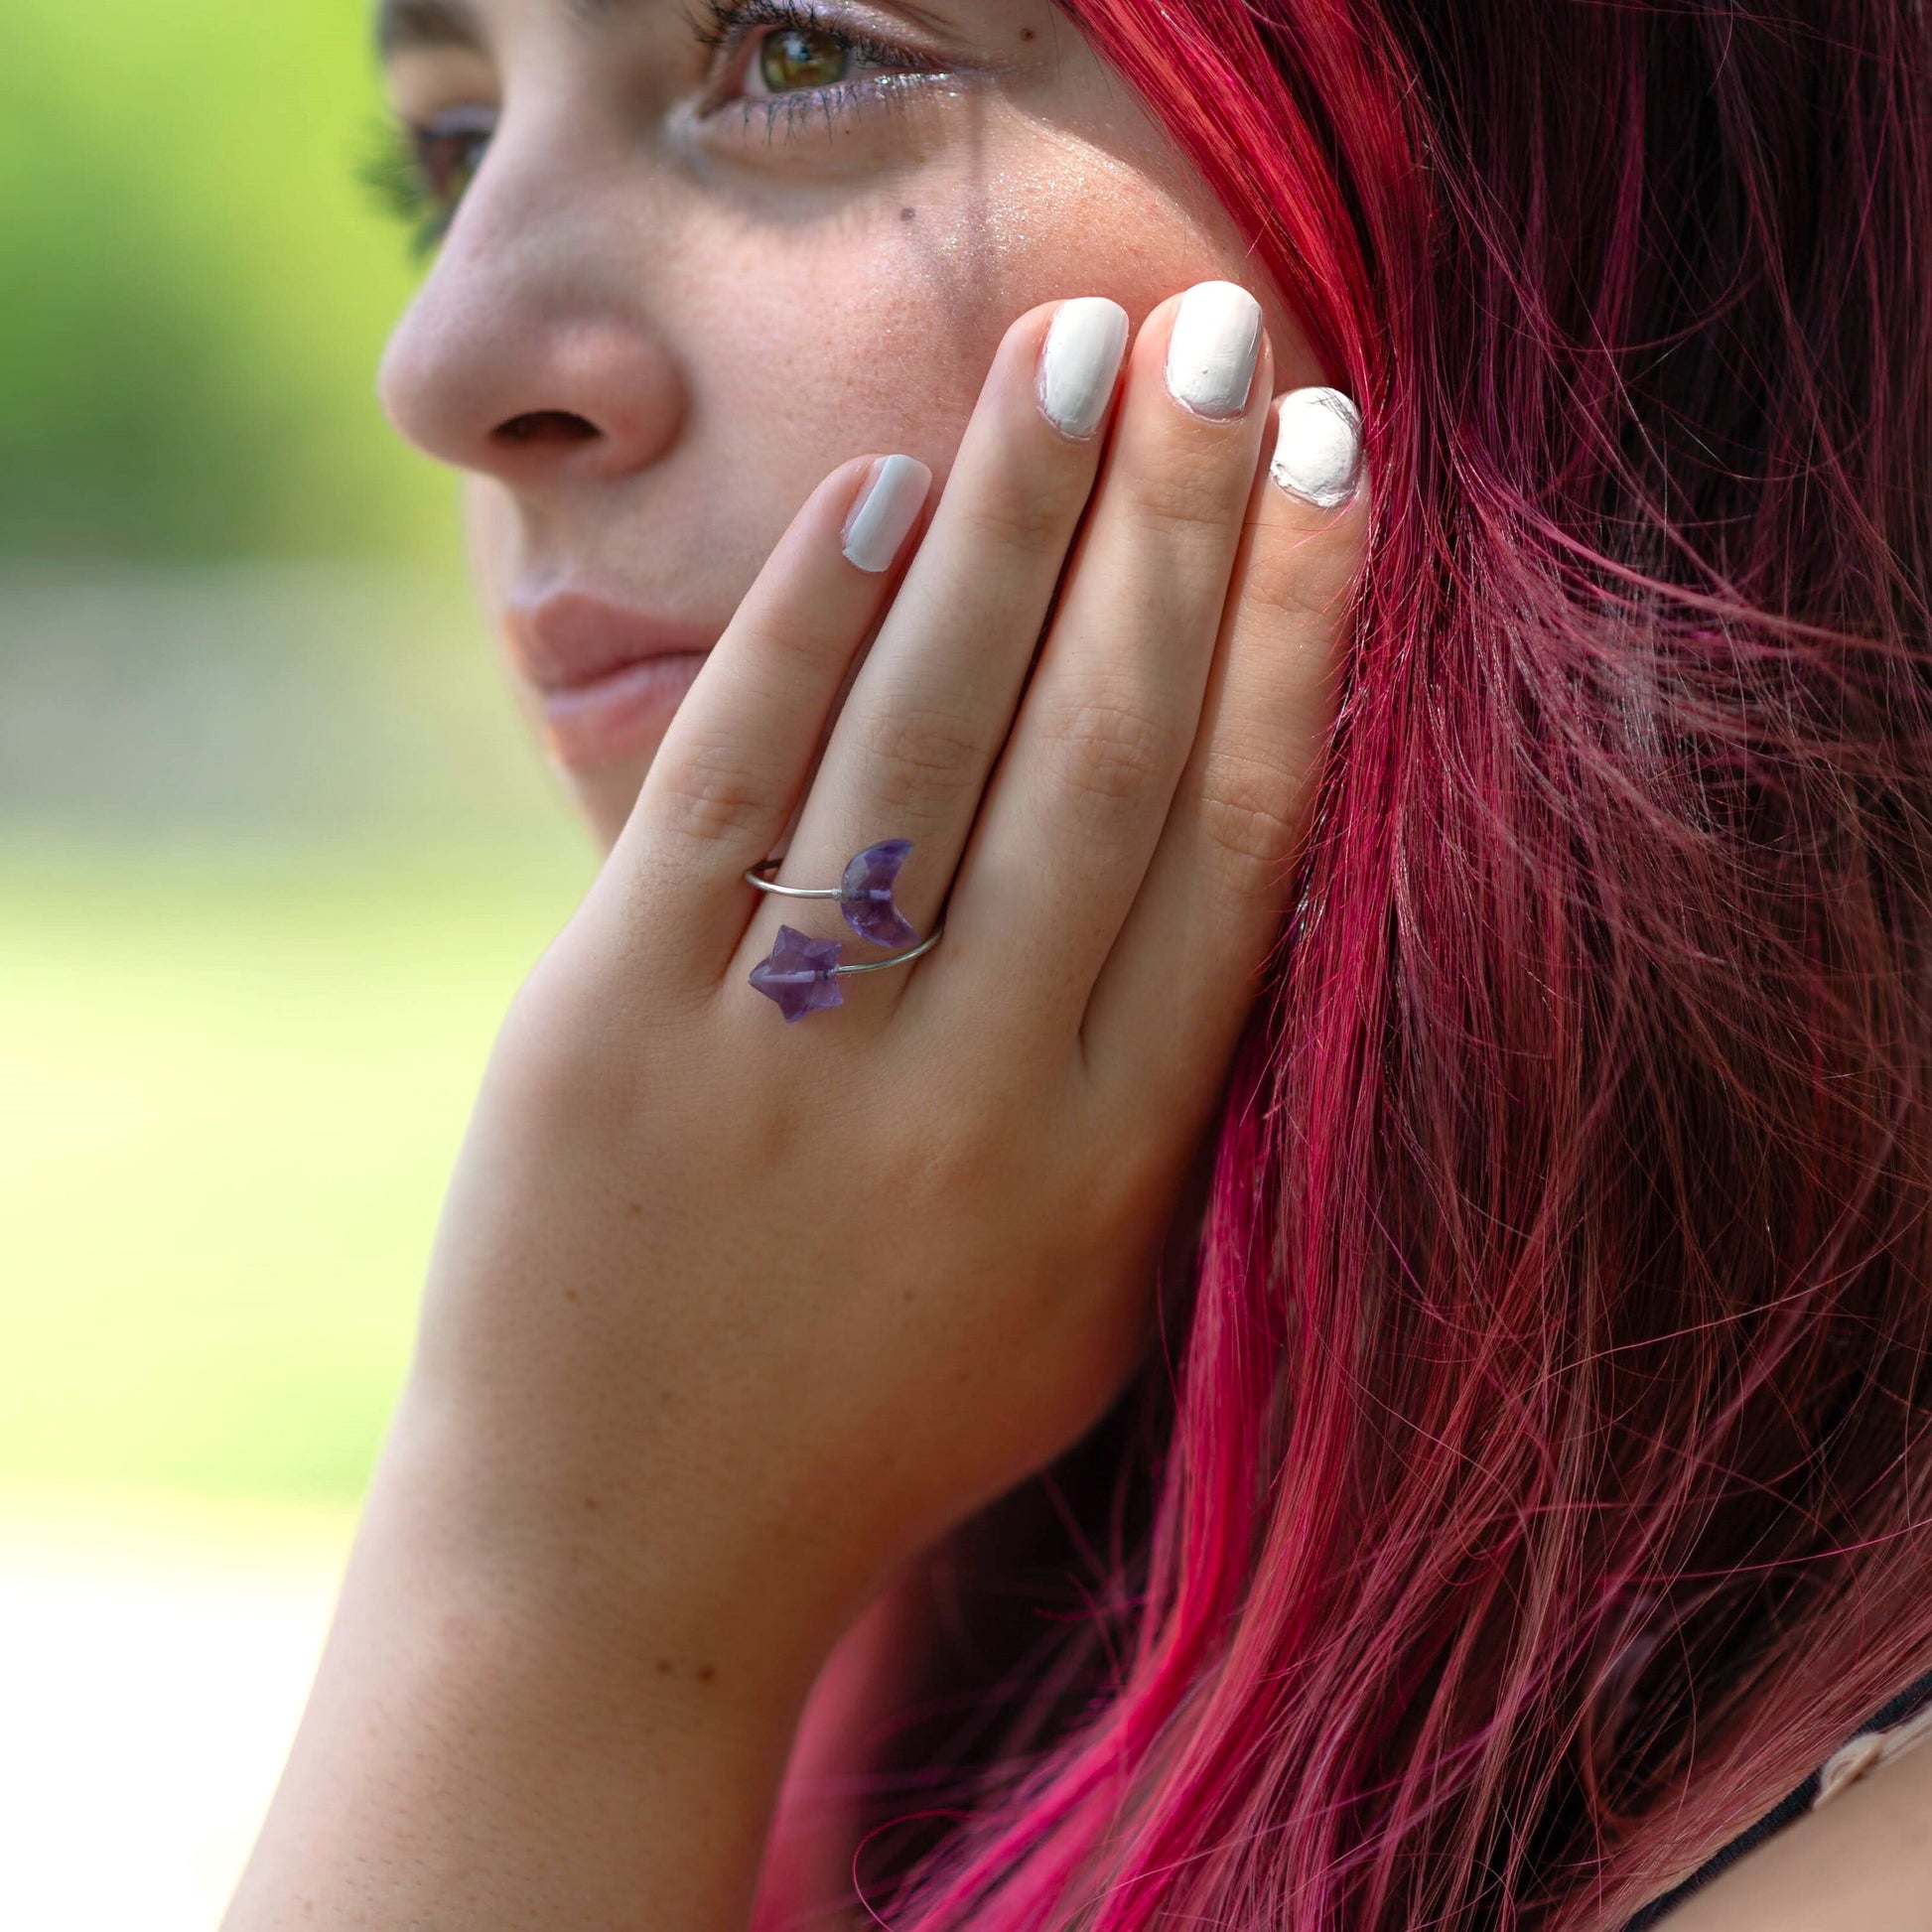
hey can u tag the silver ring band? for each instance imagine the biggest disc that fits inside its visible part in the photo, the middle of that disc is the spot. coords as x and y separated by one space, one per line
752 877
800 974
897 959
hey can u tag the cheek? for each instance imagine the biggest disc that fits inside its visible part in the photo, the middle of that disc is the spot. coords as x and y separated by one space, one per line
866 327
875 331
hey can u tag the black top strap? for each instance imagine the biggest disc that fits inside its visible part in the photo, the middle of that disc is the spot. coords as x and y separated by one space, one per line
1908 1702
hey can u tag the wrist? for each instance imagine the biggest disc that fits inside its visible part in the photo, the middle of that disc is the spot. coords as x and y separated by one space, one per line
523 1718
614 1568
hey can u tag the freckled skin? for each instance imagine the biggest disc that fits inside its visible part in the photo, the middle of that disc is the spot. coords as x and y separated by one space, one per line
765 314
751 313
672 1511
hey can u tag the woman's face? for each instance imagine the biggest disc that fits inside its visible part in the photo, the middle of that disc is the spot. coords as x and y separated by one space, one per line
708 254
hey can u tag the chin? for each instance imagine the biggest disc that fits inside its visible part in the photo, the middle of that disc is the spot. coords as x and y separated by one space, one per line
603 799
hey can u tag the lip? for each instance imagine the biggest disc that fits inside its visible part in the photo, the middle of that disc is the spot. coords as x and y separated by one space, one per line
607 678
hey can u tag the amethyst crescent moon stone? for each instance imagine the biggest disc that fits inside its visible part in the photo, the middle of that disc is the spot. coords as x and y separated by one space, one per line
866 894
797 974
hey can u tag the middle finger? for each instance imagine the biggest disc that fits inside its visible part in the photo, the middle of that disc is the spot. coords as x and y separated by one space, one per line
1075 810
930 705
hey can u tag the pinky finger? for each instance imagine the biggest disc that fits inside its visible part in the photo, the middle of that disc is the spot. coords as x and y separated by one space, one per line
730 772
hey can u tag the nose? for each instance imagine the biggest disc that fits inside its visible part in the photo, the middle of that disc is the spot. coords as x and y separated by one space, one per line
528 354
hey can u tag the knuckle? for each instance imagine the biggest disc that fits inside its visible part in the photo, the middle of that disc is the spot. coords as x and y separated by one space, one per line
561 1052
1298 582
971 1145
708 794
1249 821
1195 490
1107 748
968 1154
798 643
1023 516
915 755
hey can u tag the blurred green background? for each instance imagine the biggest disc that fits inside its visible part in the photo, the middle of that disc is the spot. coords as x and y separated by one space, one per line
273 854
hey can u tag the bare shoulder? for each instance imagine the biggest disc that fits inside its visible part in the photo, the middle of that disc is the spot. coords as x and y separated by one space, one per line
1861 1863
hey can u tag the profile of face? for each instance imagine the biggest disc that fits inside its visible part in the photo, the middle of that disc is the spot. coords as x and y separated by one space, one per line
688 262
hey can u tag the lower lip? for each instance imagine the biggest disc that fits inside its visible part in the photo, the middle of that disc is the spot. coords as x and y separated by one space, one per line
620 714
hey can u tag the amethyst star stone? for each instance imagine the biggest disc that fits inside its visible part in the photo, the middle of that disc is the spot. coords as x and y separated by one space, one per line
866 894
796 975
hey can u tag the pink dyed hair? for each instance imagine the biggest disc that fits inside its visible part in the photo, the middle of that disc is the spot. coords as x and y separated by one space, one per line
1539 1493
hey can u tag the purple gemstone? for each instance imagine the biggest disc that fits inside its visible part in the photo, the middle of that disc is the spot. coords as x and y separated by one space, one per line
866 894
797 974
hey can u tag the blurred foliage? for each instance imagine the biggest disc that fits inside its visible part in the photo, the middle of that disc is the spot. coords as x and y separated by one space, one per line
195 288
233 1087
273 854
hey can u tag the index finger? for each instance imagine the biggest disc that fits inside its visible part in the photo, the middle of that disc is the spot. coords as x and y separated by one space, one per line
740 751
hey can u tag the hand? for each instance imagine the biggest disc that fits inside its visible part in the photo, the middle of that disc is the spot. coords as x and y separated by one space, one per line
729 1317
778 1303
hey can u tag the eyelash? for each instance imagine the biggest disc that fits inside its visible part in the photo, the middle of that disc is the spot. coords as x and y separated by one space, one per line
727 28
400 170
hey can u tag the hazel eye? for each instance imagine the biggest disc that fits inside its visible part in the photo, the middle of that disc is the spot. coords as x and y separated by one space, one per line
791 63
792 59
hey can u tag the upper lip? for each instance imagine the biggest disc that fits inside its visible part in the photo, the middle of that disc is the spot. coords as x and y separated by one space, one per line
570 638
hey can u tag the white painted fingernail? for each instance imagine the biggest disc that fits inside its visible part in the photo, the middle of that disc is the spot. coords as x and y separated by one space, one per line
1079 362
1317 447
1212 352
886 510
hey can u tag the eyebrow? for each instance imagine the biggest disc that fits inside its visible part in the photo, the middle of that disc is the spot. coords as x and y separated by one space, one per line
403 24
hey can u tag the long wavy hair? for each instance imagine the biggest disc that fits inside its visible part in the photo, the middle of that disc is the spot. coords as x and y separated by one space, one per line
1537 1481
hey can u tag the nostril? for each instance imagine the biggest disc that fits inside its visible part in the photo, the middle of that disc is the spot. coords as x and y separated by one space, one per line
545 426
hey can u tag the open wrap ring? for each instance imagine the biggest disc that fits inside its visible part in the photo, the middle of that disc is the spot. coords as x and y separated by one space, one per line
801 974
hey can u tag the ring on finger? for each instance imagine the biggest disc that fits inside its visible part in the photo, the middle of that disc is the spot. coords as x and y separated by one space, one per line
800 974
